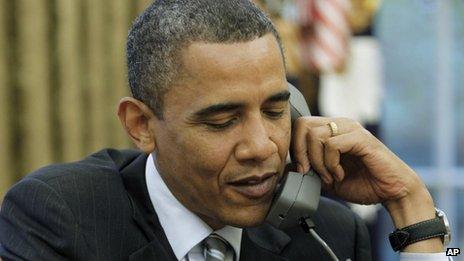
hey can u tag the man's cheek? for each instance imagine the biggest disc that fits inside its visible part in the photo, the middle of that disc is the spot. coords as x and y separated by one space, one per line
283 142
209 157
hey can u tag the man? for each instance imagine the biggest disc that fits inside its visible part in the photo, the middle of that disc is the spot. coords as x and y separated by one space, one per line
210 113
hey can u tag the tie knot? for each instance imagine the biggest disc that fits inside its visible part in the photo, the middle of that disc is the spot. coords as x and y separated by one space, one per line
216 248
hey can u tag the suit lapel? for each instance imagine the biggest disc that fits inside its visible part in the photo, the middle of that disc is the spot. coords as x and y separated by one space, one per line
152 251
263 243
143 213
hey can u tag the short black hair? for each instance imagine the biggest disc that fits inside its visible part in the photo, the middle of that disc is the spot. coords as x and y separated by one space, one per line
167 26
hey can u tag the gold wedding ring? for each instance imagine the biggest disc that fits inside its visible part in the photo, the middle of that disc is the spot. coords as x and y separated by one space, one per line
333 128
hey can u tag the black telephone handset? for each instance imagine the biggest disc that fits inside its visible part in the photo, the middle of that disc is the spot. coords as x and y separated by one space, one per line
297 195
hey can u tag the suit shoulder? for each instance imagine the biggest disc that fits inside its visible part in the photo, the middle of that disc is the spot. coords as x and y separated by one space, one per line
331 207
77 206
338 222
101 163
94 181
333 214
83 180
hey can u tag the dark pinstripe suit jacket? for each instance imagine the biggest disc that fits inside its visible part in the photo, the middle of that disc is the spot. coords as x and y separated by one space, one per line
99 209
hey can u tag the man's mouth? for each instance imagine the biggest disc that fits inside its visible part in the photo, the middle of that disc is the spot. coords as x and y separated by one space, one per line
255 187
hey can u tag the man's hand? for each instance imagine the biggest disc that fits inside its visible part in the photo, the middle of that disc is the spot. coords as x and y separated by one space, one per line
355 166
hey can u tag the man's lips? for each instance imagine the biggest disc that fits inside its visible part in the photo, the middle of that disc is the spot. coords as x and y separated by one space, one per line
256 186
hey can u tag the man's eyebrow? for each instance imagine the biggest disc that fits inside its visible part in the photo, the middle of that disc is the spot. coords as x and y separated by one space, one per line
278 97
218 108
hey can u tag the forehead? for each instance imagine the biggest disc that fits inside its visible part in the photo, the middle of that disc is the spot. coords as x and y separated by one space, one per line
229 60
214 72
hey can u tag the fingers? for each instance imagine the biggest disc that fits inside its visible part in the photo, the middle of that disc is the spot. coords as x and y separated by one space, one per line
302 127
353 143
316 138
344 124
300 146
334 147
314 147
332 158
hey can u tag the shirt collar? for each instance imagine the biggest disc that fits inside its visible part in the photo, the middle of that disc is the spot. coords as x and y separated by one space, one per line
183 228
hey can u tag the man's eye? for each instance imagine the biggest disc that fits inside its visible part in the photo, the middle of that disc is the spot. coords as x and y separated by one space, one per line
220 126
274 114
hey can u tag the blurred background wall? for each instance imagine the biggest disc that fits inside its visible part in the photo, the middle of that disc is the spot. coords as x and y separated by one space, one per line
62 73
422 119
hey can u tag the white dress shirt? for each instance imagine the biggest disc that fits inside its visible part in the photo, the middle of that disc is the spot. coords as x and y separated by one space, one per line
185 231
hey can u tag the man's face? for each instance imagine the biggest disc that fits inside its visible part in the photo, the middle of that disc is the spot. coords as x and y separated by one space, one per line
222 145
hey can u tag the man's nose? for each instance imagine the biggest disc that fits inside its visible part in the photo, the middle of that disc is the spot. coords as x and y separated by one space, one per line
256 143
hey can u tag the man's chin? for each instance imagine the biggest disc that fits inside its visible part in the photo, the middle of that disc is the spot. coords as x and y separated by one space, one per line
246 223
247 217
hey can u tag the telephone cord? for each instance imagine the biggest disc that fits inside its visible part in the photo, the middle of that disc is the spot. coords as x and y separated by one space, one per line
308 227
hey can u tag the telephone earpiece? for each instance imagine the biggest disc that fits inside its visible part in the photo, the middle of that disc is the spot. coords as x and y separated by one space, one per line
297 195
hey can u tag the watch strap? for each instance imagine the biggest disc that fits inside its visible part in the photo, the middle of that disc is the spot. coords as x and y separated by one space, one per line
424 230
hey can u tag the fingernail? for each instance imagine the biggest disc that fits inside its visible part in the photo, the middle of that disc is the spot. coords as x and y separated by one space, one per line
324 179
339 175
330 180
306 168
299 168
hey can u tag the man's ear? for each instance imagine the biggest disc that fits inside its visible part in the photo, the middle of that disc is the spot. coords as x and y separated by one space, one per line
135 117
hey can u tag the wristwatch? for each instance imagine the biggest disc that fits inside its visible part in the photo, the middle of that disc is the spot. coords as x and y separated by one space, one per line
437 227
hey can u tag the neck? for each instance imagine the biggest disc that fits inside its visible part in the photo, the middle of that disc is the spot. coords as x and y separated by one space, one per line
213 223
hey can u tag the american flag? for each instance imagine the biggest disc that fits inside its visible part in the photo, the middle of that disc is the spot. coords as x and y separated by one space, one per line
326 33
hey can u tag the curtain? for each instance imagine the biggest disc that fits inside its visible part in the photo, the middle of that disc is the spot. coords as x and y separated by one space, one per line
62 73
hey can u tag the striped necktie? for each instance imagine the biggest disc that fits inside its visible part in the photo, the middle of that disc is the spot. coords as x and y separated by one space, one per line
217 248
